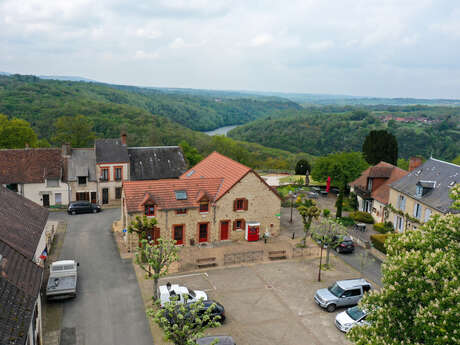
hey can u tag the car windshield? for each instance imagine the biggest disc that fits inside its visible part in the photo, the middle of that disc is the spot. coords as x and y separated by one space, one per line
355 313
336 290
347 243
192 293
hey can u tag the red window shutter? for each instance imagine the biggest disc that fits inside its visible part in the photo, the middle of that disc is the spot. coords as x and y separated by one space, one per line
245 204
243 224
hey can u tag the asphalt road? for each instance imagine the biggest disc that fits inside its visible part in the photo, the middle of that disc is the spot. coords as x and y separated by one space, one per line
364 262
108 309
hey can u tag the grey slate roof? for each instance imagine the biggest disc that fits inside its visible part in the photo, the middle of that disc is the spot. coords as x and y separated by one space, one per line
111 151
82 162
20 281
157 162
21 222
444 174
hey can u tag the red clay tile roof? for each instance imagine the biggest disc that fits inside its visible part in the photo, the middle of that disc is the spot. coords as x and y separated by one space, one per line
163 192
217 165
380 170
30 165
22 222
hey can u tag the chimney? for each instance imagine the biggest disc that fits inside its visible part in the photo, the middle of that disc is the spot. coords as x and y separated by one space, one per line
66 149
414 163
123 138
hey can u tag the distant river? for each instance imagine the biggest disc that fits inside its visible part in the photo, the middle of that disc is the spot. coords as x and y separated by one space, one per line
221 130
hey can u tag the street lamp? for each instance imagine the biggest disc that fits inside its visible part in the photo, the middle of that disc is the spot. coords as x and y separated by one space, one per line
292 196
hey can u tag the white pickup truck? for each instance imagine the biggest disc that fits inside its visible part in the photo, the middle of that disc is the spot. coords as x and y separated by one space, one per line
168 291
62 281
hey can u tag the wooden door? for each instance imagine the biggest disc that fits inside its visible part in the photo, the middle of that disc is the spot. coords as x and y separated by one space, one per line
203 233
93 197
224 225
46 200
105 195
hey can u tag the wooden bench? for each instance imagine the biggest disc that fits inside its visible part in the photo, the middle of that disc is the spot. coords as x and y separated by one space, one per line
202 262
277 254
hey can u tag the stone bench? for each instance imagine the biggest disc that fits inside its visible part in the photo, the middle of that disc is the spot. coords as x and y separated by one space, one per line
203 262
277 254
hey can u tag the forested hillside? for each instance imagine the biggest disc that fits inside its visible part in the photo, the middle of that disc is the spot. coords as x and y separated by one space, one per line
320 133
52 98
42 102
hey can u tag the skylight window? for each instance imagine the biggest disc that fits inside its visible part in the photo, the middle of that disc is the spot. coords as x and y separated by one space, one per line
190 173
181 195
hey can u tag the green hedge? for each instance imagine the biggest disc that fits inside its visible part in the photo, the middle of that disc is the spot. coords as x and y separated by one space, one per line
346 221
378 241
383 228
363 217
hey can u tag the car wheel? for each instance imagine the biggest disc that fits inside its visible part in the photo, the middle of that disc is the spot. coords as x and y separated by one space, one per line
330 308
74 213
94 211
337 249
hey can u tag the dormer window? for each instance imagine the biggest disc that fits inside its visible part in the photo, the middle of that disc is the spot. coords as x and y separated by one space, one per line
204 206
149 210
419 191
369 184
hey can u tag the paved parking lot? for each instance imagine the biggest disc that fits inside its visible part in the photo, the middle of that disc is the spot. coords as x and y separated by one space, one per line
272 303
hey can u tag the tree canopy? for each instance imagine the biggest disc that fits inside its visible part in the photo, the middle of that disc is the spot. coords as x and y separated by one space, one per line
380 145
419 301
16 134
302 167
76 130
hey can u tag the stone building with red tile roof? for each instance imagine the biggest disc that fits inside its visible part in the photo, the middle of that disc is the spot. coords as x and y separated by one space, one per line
373 188
216 200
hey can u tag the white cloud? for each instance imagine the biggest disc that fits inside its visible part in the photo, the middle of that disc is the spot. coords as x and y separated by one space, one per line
352 46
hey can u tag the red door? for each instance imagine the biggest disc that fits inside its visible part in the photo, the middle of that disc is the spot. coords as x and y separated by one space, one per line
224 225
253 233
203 233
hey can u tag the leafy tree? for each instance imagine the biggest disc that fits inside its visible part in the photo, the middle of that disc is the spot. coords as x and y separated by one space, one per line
419 301
457 160
308 211
184 323
380 146
16 134
156 257
343 168
403 163
77 130
191 153
141 226
302 167
328 232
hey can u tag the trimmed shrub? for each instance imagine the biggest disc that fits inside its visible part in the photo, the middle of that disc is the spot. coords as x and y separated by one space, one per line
362 217
383 228
378 241
346 221
326 212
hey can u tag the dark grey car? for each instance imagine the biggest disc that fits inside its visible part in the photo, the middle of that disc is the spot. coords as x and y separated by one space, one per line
83 207
222 340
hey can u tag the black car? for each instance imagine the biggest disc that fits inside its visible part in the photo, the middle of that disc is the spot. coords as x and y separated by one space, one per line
345 245
83 207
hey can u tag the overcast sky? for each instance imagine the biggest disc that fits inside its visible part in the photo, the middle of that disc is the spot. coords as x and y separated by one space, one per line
388 48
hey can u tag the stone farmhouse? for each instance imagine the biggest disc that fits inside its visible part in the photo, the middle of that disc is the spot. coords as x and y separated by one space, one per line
373 188
23 233
422 193
36 174
216 200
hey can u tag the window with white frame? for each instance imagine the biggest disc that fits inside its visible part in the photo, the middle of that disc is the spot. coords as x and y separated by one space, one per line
418 191
399 222
402 203
417 211
427 214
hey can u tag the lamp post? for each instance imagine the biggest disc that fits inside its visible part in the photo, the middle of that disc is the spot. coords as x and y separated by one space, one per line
292 196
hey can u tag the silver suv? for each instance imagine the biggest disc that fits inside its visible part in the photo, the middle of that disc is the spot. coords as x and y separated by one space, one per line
343 293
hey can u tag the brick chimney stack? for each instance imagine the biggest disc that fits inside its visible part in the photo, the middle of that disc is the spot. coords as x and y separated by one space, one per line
123 139
414 163
66 149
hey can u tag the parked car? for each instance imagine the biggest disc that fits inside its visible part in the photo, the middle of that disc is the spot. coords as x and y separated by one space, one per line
221 340
343 293
62 281
83 207
345 245
166 292
350 318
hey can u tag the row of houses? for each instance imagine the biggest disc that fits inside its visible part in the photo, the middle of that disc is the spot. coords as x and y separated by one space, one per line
407 198
24 234
53 177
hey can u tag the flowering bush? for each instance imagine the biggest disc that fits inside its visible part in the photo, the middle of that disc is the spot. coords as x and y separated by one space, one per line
419 301
359 216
